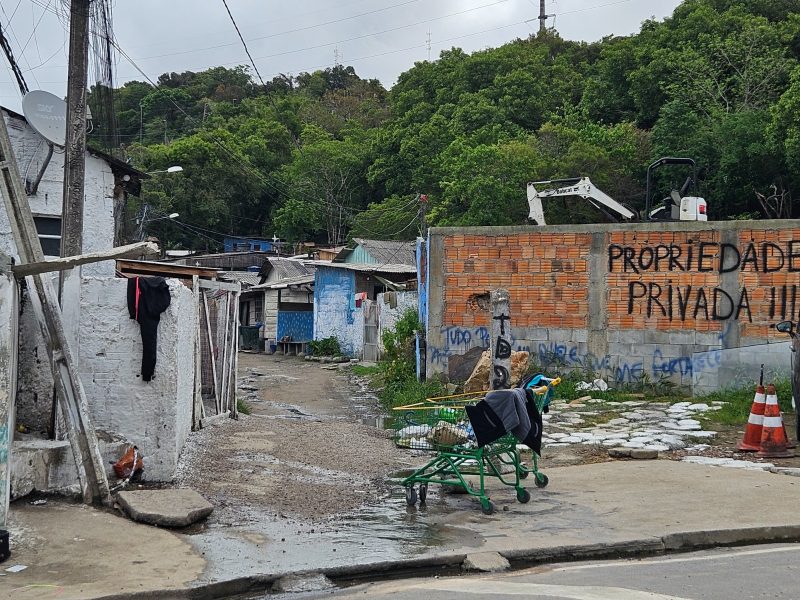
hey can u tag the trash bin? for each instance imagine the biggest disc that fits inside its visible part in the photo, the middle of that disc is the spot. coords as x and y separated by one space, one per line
249 336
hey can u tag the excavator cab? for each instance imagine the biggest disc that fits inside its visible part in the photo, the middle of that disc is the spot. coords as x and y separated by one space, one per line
677 206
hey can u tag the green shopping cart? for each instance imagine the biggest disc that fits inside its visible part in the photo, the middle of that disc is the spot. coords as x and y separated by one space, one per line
441 425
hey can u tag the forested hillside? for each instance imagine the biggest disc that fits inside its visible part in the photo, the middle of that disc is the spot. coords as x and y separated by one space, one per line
328 155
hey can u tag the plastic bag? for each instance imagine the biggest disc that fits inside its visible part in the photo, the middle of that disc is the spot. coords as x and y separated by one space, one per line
447 434
130 463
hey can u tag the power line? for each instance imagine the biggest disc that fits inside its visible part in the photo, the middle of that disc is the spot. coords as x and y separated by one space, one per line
246 49
28 41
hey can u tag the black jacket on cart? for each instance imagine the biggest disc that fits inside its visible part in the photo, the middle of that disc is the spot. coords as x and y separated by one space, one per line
148 297
504 411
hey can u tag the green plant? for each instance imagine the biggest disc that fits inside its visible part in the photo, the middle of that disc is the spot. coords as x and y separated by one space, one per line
738 402
243 407
328 346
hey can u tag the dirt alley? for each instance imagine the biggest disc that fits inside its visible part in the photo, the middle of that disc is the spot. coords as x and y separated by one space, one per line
304 452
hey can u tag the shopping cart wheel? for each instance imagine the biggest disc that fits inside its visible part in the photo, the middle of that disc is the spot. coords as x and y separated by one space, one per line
541 480
423 492
523 472
411 496
523 495
487 506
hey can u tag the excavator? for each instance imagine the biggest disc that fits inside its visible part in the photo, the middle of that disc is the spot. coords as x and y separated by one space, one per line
676 207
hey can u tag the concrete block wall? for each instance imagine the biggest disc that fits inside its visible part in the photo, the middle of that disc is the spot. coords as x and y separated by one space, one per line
155 415
625 301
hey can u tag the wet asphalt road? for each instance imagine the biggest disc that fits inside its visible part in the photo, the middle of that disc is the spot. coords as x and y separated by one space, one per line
722 574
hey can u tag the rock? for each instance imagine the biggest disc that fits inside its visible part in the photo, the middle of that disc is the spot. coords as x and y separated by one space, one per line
479 380
355 360
698 407
165 508
302 582
633 444
644 453
586 399
614 442
618 422
619 452
657 447
487 562
461 366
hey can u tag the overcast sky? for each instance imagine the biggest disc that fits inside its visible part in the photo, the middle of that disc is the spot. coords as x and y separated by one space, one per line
380 38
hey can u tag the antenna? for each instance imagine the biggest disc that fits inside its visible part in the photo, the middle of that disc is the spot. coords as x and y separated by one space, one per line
47 114
336 56
429 44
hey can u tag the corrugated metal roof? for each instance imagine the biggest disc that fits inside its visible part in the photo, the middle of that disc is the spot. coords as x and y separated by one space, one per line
371 268
246 278
287 268
285 283
384 251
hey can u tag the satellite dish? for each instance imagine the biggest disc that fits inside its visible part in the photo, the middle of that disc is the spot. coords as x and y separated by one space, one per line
47 114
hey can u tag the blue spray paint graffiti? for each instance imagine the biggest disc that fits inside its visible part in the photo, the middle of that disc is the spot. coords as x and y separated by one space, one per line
556 354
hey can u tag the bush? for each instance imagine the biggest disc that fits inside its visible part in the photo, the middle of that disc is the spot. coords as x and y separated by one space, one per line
398 365
325 347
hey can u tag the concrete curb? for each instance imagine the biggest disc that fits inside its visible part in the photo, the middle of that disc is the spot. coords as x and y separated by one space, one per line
520 557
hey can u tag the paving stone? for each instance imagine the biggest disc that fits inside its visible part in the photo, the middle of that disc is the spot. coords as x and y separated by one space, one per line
614 442
486 562
571 440
701 407
619 452
618 422
657 447
644 453
166 508
633 444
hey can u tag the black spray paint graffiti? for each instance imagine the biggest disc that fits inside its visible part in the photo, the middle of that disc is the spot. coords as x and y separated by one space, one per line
502 352
679 302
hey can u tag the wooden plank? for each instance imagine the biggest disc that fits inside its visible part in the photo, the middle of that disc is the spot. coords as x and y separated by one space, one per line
9 307
220 285
223 400
141 267
71 395
211 349
62 264
197 404
235 368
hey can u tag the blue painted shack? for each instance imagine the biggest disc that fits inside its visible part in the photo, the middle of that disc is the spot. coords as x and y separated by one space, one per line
240 244
346 289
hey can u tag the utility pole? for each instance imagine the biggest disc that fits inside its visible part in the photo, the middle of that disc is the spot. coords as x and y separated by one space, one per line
543 16
75 150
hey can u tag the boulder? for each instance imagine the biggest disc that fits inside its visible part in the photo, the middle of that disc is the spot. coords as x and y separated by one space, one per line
460 366
165 508
479 380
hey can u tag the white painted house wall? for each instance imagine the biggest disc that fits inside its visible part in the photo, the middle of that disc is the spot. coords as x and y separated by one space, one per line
98 223
156 416
391 308
35 383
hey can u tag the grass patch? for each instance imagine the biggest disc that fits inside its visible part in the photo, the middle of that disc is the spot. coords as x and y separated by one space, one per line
363 371
243 407
740 400
644 390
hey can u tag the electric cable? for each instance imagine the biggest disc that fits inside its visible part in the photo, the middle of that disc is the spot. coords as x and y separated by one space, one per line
246 49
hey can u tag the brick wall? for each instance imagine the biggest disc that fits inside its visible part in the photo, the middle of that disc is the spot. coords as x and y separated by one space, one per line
626 301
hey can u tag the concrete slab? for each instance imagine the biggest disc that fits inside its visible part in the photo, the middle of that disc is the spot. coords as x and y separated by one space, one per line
487 562
165 508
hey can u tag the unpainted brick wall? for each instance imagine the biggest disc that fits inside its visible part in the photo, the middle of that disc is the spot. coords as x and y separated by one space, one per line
573 295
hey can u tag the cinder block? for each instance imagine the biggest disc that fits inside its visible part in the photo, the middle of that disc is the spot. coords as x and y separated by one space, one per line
632 336
682 337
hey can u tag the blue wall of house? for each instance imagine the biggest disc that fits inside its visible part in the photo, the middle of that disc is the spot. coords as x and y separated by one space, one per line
299 325
246 245
360 256
335 312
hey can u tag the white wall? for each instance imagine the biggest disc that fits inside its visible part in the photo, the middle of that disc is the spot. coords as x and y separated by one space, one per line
391 307
156 416
98 221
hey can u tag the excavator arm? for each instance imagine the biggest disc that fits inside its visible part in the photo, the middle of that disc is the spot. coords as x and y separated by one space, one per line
581 187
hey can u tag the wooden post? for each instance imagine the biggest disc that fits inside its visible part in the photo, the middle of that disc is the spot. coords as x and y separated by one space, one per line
9 308
234 378
500 375
197 404
71 396
75 148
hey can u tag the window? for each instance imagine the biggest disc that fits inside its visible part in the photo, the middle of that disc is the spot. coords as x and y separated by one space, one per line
49 230
259 310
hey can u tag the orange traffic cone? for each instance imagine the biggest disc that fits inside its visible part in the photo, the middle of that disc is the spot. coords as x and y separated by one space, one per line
755 422
773 435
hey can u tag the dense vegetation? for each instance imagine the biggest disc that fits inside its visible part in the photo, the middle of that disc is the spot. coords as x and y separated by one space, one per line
328 155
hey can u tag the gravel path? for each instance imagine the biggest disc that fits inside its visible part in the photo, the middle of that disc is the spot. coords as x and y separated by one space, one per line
302 453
